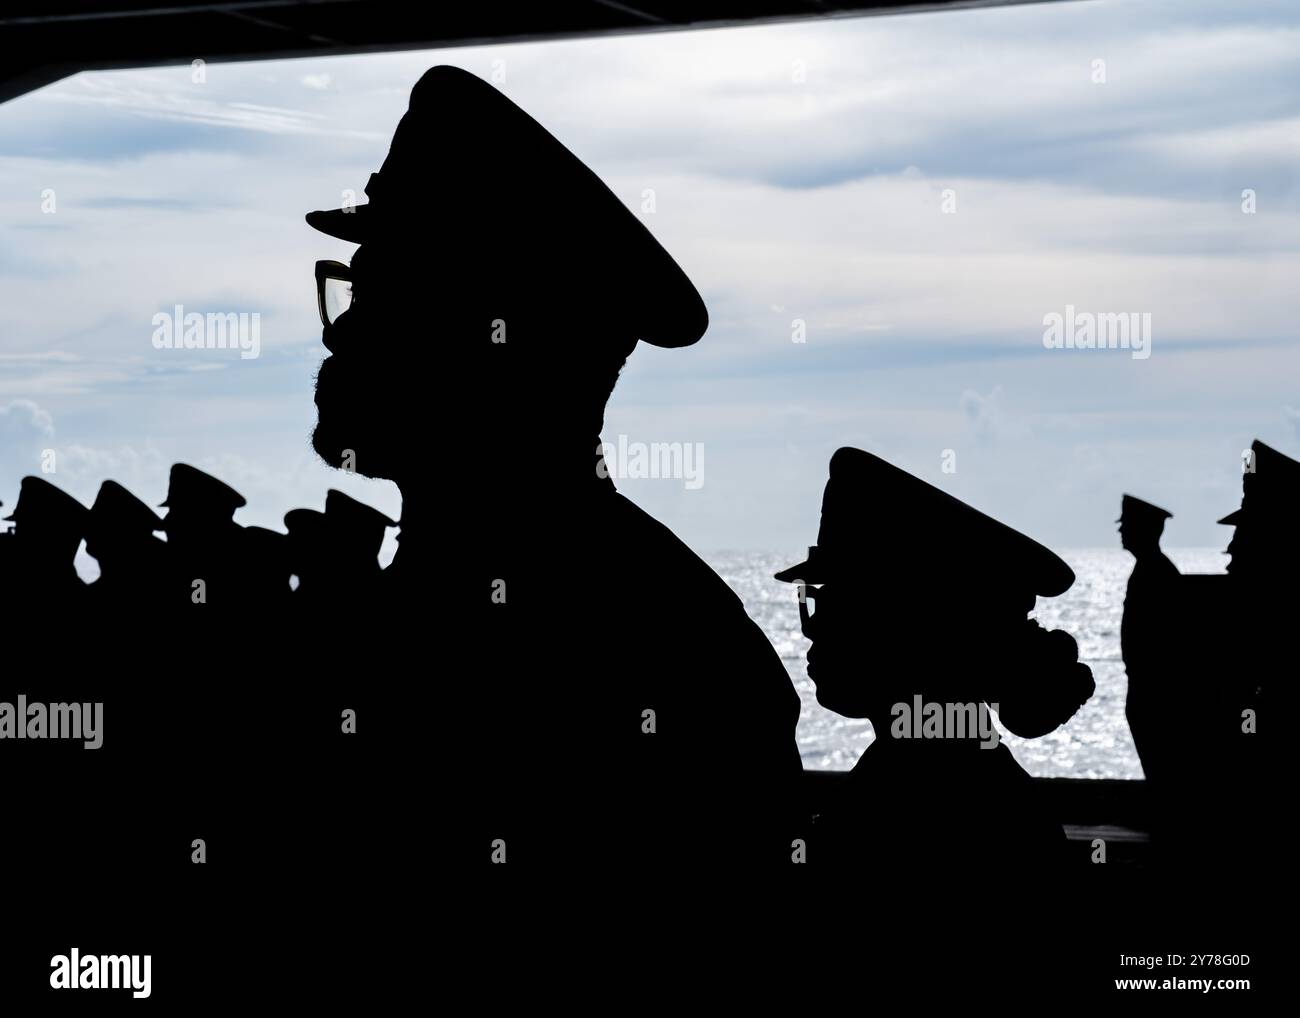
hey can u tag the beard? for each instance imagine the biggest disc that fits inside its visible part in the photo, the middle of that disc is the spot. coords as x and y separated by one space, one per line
354 449
328 445
348 437
353 429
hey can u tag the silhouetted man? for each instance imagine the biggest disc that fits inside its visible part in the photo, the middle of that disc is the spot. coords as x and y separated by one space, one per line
1147 635
208 557
1256 643
1234 637
497 292
49 525
133 565
921 633
1265 546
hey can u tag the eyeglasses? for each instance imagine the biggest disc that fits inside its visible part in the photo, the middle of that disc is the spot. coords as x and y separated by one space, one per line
333 290
805 593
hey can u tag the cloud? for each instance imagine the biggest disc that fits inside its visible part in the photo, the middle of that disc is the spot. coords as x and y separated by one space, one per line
115 202
142 96
40 357
21 419
26 430
1293 418
983 413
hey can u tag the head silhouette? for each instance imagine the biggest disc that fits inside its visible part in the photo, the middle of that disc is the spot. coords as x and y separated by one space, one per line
497 290
200 510
939 609
404 366
1140 526
1265 546
49 524
1265 551
120 529
1140 536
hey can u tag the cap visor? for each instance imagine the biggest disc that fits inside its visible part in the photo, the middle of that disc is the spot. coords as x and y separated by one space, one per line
799 572
1056 579
352 224
1233 518
670 312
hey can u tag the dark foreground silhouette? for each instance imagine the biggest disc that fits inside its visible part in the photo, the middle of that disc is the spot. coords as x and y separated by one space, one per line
567 649
1204 654
545 674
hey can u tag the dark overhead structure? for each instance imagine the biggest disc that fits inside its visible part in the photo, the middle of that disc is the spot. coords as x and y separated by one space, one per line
42 41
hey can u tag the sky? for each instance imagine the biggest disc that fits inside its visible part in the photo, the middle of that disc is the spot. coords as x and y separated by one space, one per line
918 191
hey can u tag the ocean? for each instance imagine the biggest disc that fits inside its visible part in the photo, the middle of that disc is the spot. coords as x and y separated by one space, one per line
1095 744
